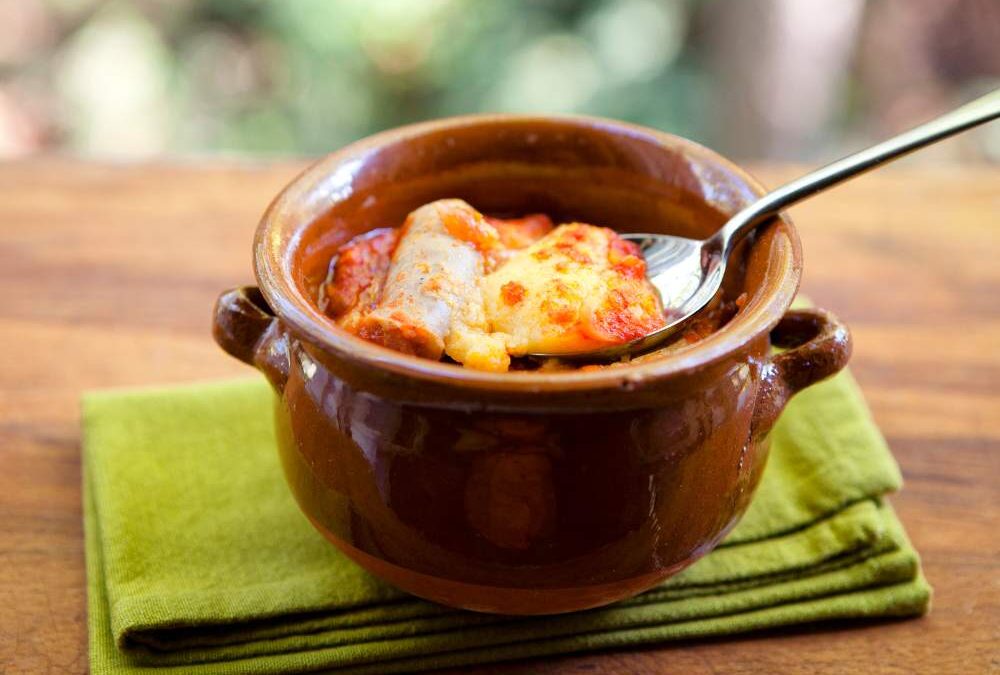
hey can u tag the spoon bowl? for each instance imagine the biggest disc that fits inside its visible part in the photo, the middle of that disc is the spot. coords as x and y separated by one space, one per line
686 274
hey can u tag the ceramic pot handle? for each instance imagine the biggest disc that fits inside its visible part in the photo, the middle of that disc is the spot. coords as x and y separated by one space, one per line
246 327
818 346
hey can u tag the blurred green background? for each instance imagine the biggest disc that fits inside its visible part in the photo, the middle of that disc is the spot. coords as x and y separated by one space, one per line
761 79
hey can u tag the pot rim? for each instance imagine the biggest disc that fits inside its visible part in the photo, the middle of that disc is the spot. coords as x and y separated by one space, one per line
278 235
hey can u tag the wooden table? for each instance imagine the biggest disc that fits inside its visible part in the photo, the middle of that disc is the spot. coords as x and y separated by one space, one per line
107 278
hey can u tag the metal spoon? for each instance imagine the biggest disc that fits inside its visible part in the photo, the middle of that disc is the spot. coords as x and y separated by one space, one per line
688 272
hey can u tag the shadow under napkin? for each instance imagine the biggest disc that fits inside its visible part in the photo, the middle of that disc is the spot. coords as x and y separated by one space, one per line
198 559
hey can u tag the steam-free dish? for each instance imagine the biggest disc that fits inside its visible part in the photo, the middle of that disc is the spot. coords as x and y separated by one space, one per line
555 486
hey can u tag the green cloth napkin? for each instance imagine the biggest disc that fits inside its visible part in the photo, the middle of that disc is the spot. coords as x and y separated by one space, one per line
199 561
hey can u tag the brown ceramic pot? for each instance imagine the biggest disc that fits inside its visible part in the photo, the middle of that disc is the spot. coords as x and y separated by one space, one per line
523 493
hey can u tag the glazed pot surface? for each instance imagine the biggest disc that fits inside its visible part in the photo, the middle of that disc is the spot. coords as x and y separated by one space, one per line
523 493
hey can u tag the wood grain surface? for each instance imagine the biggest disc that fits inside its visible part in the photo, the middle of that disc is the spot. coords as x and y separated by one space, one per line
107 278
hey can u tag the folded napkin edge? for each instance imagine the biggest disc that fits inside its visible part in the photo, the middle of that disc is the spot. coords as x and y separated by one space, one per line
892 566
130 612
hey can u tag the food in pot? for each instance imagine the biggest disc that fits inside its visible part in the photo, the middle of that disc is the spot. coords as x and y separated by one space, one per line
452 283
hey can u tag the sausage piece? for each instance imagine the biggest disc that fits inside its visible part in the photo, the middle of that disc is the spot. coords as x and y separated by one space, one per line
431 301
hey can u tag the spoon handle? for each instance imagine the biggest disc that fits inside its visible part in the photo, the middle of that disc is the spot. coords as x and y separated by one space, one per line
976 112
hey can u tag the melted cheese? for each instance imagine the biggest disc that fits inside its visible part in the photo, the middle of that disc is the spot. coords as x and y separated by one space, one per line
580 287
